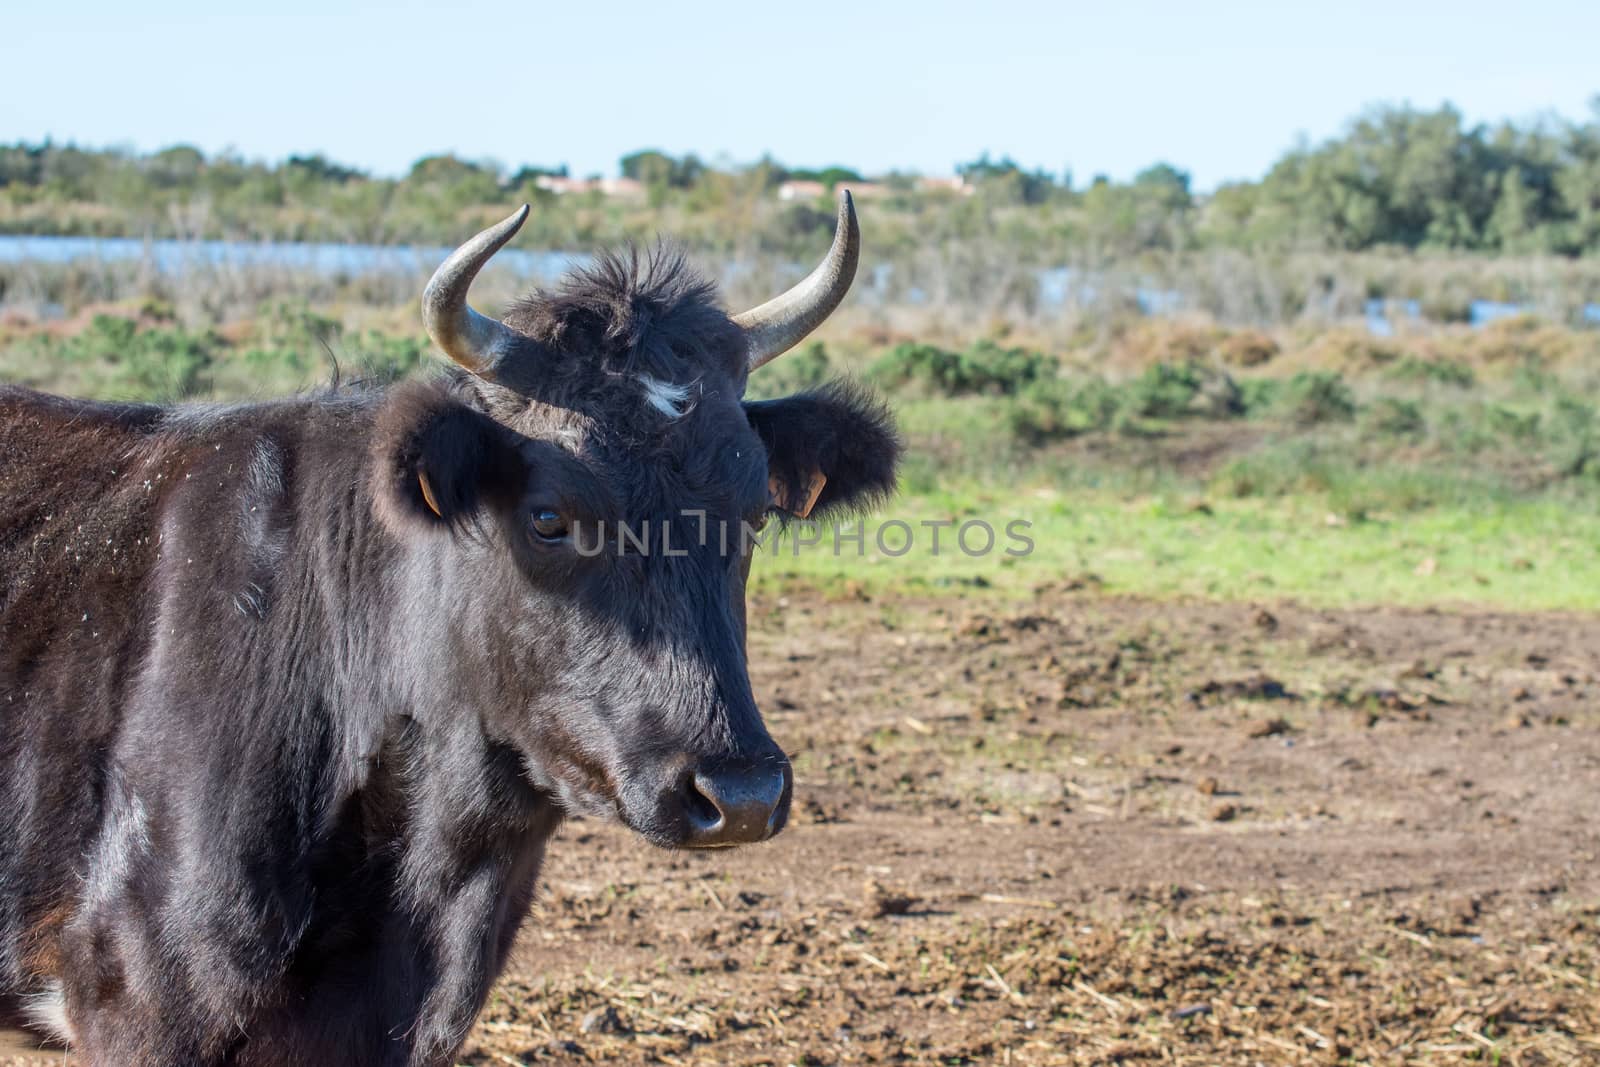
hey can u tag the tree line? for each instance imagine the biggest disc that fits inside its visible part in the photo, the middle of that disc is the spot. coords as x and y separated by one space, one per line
1396 177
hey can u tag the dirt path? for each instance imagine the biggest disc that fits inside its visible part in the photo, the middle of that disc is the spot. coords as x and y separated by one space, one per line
1091 830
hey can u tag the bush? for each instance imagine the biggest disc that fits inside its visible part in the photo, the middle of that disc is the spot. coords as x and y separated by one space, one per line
1258 396
1465 430
1389 417
1441 371
1220 396
293 325
794 373
984 368
124 361
1314 397
1043 413
1575 433
1504 422
386 358
1055 408
1164 391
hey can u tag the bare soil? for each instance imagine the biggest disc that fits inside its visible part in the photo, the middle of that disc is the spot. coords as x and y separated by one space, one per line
1094 830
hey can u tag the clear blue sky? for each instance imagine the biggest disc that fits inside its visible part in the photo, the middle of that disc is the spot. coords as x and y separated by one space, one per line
1218 88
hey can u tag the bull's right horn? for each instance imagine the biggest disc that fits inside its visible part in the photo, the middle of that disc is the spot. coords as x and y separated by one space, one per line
783 322
477 342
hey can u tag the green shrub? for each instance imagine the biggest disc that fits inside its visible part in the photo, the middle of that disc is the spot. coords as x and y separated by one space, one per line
386 358
125 361
273 365
986 367
1311 398
1390 417
1465 430
1504 422
1258 396
1055 408
1441 371
1575 438
795 372
1042 413
1096 403
1220 396
1164 391
913 365
289 324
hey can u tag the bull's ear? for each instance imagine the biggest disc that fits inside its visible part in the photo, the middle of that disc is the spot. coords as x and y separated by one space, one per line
830 449
438 462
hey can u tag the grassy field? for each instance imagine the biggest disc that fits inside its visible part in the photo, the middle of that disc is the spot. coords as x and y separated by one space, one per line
1527 555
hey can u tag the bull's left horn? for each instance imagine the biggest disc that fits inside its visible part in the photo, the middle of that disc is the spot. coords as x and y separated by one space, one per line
783 322
475 341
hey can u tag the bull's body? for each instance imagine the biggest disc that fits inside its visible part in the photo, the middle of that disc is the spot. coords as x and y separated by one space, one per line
292 694
221 808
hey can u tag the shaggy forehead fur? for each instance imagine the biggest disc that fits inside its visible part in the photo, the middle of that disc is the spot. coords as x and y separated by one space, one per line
636 314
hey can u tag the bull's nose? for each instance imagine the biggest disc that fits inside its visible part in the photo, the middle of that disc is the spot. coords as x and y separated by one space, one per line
737 805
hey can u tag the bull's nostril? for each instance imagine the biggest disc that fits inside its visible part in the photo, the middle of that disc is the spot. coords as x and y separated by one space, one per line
704 814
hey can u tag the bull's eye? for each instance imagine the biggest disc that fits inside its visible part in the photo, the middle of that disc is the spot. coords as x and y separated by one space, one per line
549 525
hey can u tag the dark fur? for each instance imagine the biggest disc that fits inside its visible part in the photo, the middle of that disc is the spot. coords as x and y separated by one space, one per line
280 748
840 429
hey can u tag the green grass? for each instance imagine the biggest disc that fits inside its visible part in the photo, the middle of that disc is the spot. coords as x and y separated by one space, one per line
1441 488
1525 555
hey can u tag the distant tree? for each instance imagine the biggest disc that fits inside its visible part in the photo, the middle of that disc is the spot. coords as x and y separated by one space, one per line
1229 212
444 170
318 168
1395 176
1166 184
1578 183
527 175
768 172
829 176
442 186
179 165
649 167
1003 179
19 164
688 171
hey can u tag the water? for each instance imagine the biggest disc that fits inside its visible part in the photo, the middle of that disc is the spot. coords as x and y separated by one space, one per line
1381 315
1057 287
180 257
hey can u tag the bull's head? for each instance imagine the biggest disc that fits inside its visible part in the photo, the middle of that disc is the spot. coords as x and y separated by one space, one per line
582 491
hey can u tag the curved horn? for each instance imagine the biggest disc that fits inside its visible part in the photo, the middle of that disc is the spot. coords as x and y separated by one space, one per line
475 341
783 322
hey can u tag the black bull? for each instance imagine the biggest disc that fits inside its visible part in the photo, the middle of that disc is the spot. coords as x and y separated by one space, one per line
293 693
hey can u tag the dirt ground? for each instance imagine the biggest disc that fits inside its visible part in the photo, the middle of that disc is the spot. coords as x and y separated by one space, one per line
1085 829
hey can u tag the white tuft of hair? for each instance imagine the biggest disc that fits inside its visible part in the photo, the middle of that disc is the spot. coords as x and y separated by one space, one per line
670 399
46 1011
